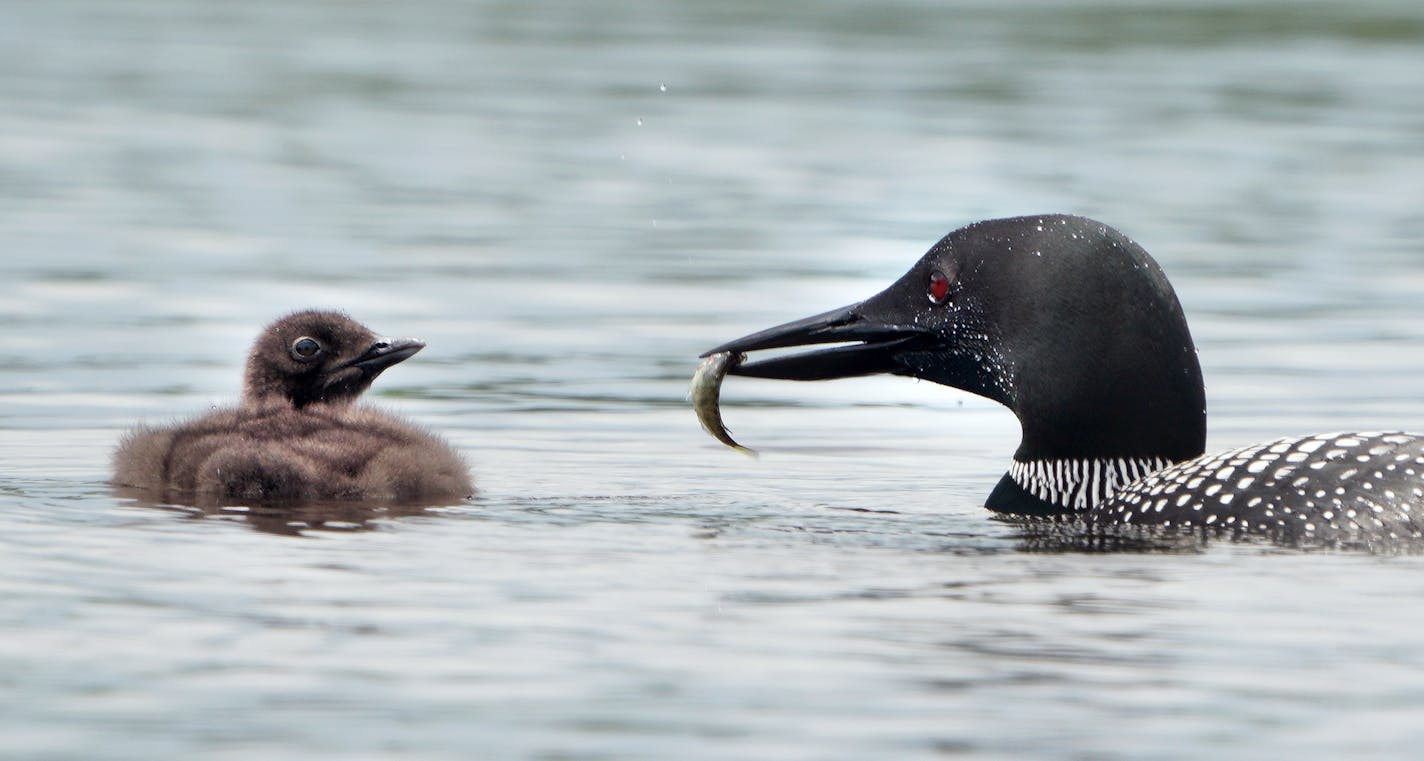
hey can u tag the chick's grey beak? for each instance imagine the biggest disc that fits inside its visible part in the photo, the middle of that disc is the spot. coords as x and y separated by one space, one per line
385 352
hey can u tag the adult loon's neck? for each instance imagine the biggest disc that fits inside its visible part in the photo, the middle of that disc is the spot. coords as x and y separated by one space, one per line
1067 485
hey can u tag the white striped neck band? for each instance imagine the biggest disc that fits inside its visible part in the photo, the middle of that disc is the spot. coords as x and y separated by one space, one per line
1079 484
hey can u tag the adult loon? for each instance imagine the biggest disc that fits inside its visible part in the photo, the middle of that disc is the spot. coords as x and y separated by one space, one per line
1075 329
299 434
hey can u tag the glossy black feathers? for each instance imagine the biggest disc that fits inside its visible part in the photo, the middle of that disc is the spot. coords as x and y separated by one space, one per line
1076 329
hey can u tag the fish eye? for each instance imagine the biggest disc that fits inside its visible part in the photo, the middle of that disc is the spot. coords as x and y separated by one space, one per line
305 348
938 287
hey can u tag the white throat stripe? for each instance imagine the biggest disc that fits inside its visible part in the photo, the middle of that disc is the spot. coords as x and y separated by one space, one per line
1080 484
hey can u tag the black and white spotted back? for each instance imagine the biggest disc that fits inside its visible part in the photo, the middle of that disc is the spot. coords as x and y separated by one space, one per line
1329 485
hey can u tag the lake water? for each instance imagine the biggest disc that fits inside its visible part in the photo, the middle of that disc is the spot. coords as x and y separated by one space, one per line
569 201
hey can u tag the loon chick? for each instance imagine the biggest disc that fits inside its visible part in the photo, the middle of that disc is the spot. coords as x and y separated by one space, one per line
299 434
1074 328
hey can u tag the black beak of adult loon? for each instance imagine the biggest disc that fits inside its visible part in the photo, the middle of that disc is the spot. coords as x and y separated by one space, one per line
384 353
871 346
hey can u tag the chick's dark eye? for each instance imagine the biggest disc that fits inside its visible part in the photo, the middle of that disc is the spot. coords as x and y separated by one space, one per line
305 348
938 287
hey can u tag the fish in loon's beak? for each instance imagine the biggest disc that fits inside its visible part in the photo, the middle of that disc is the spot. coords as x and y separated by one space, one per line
871 346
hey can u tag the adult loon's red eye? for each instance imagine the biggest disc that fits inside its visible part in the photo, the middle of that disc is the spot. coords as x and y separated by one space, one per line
939 287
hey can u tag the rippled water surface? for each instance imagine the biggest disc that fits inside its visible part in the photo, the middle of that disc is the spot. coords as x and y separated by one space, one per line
569 201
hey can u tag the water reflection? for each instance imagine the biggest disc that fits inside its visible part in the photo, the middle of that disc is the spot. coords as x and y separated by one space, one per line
286 517
1070 535
173 173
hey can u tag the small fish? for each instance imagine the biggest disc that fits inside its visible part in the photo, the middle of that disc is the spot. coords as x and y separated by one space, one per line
707 396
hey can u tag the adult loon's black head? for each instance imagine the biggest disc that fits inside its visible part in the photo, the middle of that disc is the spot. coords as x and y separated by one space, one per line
317 356
1062 319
